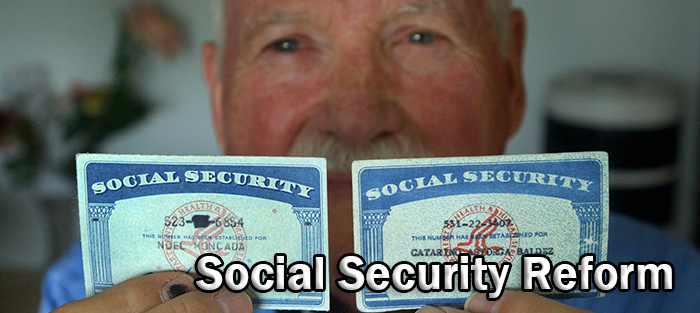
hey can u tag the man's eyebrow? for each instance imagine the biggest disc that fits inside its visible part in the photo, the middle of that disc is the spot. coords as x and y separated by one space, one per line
272 18
275 17
420 6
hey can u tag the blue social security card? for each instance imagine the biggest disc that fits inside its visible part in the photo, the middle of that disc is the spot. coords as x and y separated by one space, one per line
459 211
142 214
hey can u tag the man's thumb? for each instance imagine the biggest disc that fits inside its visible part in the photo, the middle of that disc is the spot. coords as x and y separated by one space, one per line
516 302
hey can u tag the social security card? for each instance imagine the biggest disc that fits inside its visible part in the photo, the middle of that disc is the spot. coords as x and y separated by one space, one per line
493 209
142 214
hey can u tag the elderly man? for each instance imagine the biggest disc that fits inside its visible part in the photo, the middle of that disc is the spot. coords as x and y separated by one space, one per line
360 79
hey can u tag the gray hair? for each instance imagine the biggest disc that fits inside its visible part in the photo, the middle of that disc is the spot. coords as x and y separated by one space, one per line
500 12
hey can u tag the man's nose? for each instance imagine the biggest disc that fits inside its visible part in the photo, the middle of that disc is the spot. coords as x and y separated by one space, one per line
360 104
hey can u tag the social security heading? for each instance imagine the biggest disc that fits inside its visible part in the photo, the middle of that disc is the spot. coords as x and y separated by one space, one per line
484 176
204 177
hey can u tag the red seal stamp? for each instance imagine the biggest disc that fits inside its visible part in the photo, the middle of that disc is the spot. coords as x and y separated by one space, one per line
200 227
481 230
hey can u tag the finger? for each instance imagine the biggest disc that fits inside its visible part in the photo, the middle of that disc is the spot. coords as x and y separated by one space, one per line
442 309
223 301
516 302
138 294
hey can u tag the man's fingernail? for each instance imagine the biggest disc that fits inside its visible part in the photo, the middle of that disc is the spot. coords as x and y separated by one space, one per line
230 302
430 309
477 303
176 287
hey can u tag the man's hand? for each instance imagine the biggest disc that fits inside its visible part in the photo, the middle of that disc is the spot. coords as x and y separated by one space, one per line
169 292
510 302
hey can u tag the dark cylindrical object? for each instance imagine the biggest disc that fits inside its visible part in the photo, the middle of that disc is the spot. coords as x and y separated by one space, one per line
635 118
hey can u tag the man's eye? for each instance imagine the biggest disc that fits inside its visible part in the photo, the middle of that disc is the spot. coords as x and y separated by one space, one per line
286 45
421 38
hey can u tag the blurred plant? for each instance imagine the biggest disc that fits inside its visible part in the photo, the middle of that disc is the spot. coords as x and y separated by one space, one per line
20 148
92 114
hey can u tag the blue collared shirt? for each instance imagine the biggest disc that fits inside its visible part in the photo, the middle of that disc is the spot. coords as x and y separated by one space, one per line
629 240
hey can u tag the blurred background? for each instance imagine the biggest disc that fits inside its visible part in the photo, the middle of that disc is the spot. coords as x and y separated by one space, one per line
76 74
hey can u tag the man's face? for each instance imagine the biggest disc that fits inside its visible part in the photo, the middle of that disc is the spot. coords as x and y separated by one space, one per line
418 77
348 79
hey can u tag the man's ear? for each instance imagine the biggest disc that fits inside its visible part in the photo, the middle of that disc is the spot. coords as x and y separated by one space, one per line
210 70
516 49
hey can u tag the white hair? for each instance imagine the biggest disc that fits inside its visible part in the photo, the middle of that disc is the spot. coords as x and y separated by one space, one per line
339 154
500 14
